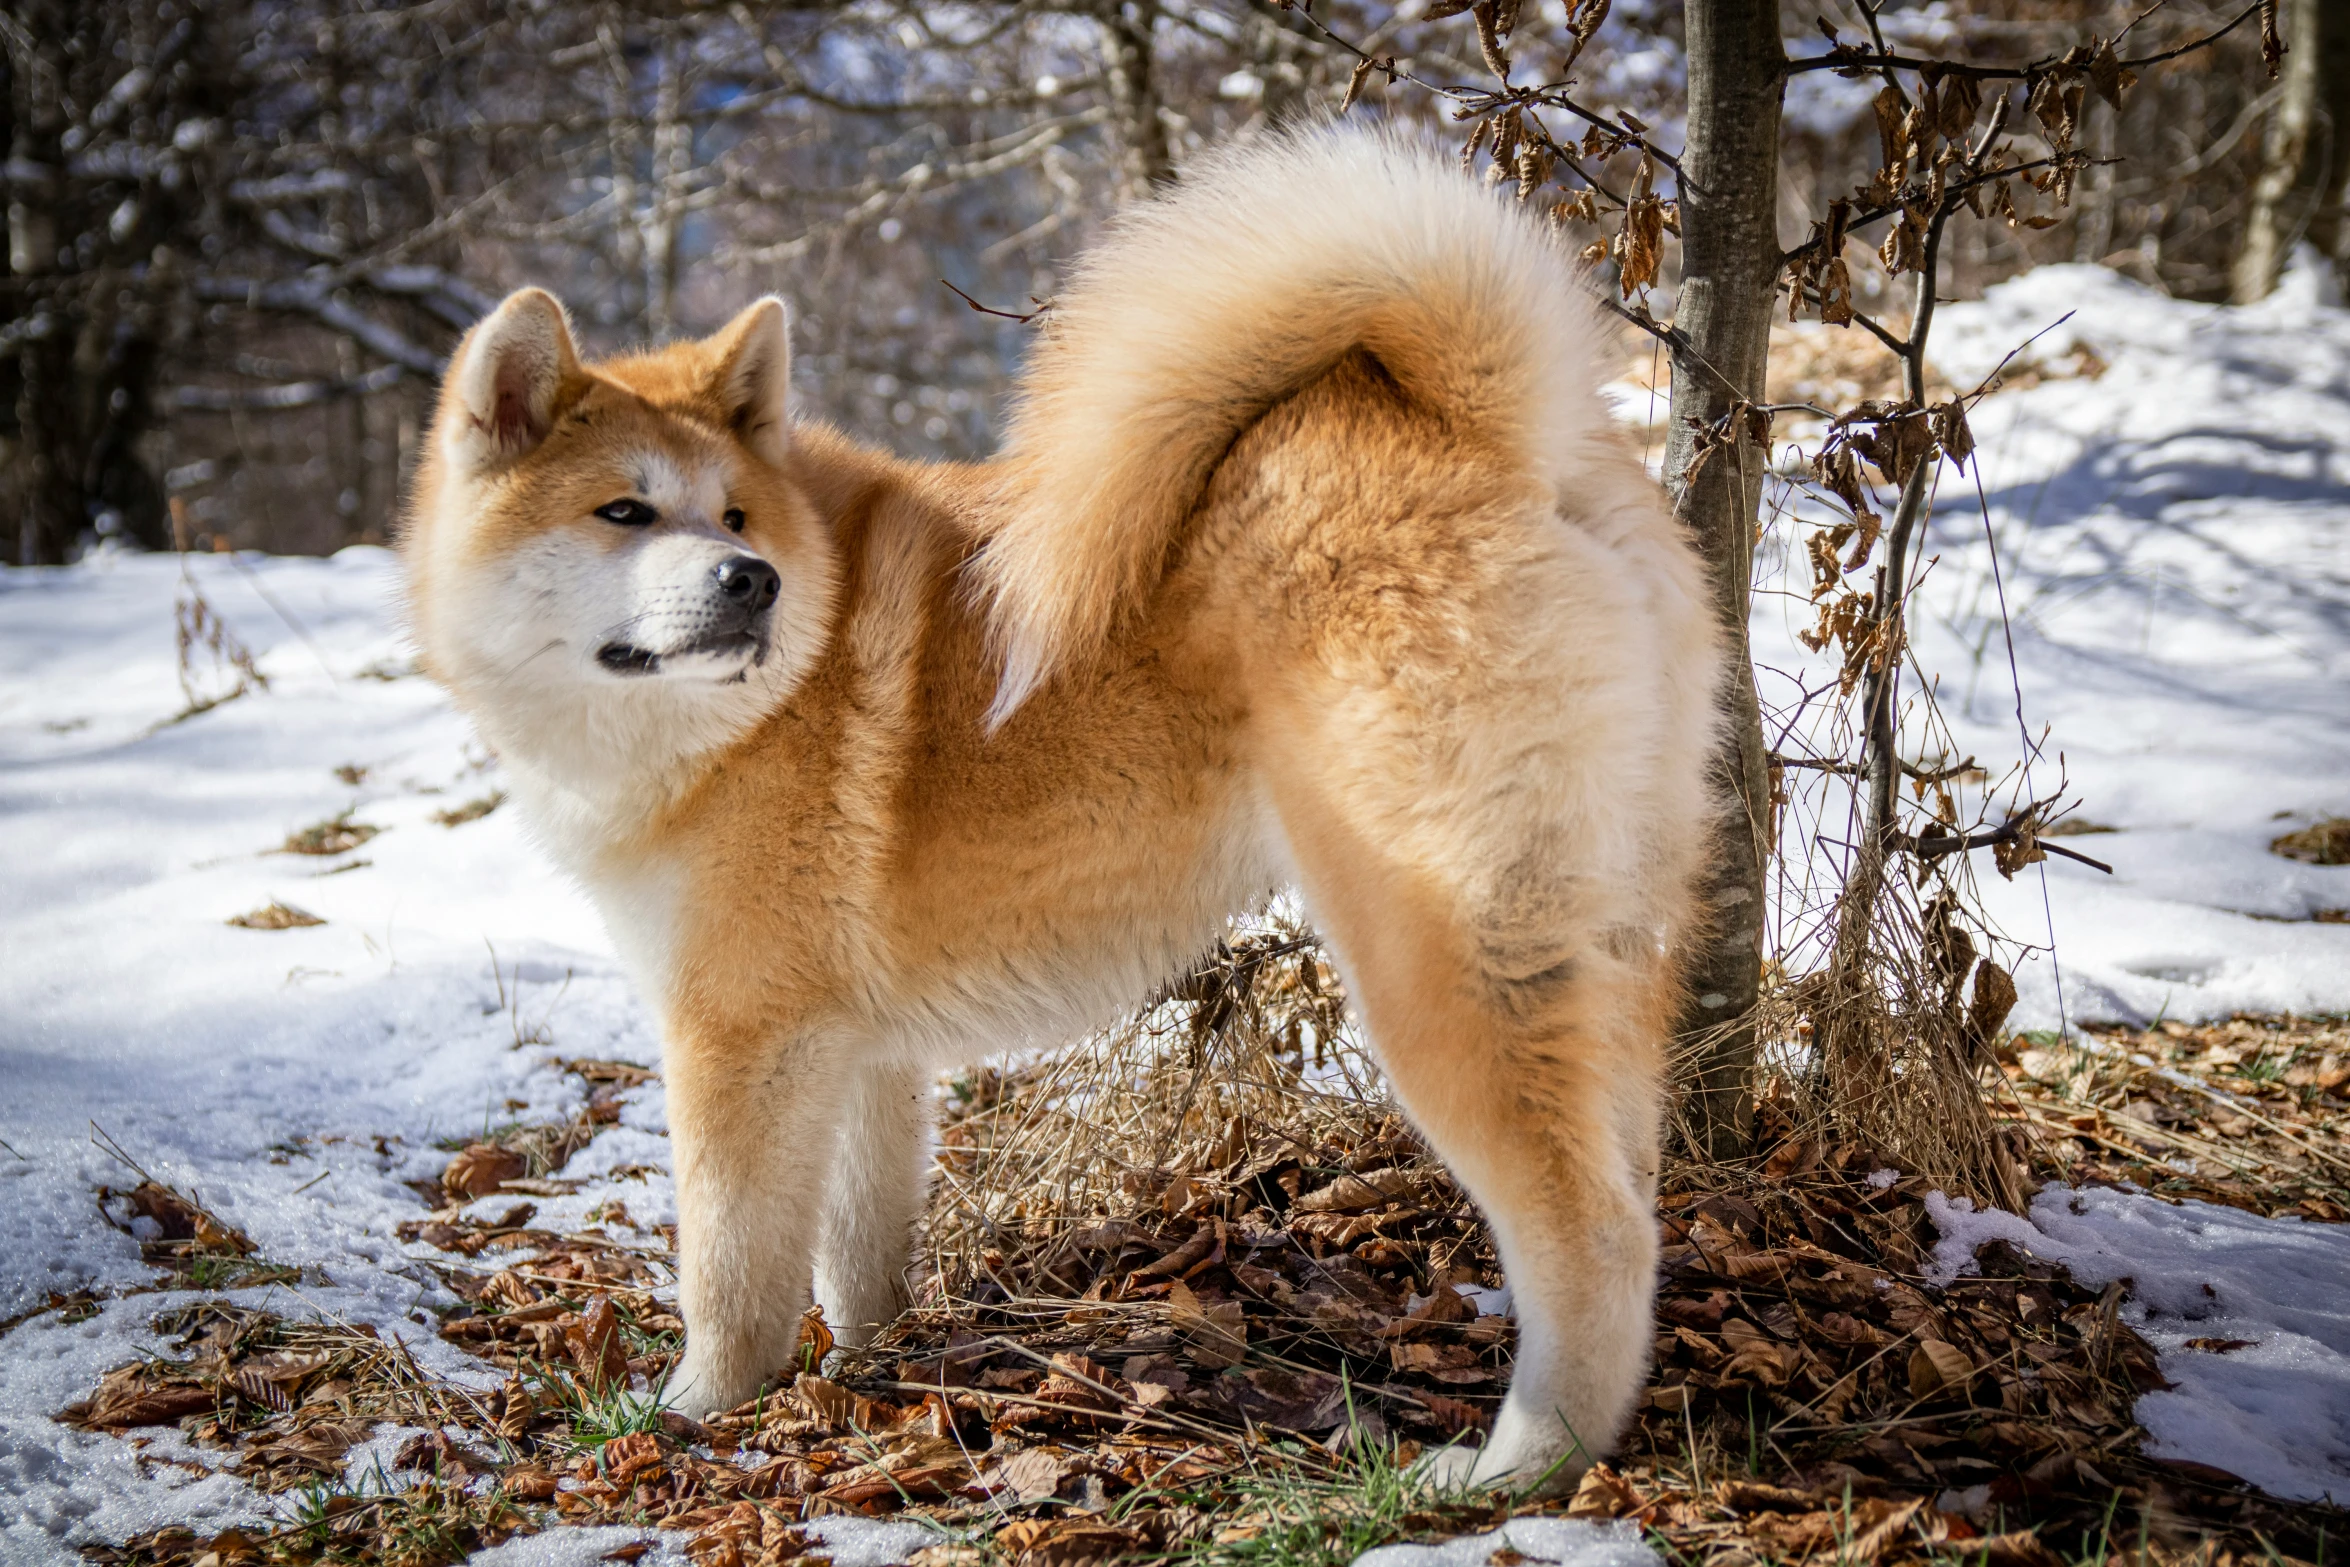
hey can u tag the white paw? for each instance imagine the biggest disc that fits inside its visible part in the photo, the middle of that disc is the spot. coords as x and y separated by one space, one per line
1454 1469
698 1392
1446 1469
1498 1465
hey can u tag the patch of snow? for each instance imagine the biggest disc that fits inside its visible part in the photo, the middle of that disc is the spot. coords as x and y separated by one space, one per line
1569 1542
2274 1407
1489 1302
2173 547
848 1541
582 1548
870 1542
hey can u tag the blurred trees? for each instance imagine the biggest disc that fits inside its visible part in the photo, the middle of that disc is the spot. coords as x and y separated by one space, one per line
242 233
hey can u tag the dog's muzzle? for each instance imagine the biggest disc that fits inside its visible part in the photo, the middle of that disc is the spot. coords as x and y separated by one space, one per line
735 622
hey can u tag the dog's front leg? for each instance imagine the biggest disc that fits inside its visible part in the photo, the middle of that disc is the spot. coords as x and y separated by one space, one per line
878 1179
752 1125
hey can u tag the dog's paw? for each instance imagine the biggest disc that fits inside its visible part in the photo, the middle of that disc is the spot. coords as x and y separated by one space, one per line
1451 1469
1496 1466
699 1391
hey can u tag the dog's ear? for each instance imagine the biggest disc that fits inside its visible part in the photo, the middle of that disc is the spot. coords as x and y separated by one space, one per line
503 383
750 377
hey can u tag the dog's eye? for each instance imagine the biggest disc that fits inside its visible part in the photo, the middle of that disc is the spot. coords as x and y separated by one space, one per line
734 518
629 513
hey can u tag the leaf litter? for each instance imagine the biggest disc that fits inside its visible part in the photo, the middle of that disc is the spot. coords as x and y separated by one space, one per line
1196 1291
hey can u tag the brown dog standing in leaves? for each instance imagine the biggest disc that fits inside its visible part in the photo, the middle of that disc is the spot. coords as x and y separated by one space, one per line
1312 558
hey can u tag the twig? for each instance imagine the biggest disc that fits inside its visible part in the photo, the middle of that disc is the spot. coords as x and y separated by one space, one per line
1885 59
989 310
1933 846
1908 769
105 1141
1983 387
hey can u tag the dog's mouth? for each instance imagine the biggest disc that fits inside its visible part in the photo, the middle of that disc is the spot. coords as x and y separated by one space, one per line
628 660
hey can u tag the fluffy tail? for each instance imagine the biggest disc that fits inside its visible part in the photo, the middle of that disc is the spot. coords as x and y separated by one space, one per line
1201 309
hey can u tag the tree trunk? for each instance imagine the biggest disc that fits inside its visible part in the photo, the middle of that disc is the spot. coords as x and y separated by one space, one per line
2331 45
2300 171
1129 58
1730 260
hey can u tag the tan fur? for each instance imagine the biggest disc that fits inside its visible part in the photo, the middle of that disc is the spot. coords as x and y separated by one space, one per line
1313 559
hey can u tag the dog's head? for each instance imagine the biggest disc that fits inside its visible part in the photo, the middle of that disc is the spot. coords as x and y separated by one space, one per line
615 554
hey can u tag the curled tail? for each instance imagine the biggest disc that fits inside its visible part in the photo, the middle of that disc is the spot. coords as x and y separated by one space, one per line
1201 309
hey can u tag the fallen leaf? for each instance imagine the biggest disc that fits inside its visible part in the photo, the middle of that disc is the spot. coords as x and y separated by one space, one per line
1936 1367
1078 1543
1033 1474
1602 1493
479 1168
529 1482
627 1459
1350 1192
593 1339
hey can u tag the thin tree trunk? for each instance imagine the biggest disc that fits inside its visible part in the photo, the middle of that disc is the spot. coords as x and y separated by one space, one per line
672 162
2331 162
2282 200
1730 262
1129 56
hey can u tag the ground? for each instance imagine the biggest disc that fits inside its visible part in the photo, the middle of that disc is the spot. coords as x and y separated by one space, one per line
274 954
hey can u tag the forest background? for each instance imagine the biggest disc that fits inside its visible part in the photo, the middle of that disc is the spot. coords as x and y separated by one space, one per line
243 234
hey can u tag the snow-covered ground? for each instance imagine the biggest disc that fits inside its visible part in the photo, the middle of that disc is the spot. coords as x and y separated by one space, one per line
292 1078
2174 540
2173 550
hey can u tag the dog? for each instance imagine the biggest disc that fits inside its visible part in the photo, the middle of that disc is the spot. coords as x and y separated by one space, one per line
1312 557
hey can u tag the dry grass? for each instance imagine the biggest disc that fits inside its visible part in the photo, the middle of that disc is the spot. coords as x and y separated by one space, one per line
274 915
2322 843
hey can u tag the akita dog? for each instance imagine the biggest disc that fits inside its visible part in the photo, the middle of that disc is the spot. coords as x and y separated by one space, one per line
1312 558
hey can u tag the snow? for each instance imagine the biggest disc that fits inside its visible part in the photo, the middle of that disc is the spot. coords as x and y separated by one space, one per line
2173 546
1570 1542
849 1542
2172 538
2275 1410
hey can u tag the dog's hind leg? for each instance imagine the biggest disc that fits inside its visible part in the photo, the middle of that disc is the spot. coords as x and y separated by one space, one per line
875 1193
1478 863
1529 1060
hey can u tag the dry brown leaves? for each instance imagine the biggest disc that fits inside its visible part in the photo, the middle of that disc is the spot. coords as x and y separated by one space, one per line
2322 843
192 1244
282 1401
1795 1311
1291 1287
335 835
2250 1113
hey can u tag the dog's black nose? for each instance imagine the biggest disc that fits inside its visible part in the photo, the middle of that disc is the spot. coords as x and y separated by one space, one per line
749 581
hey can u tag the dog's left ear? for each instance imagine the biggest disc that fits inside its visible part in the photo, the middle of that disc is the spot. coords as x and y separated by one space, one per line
751 377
